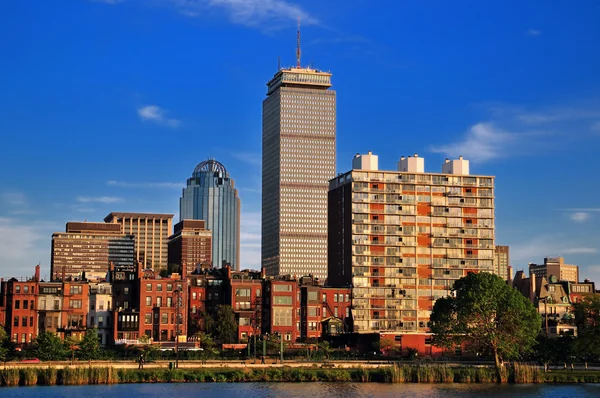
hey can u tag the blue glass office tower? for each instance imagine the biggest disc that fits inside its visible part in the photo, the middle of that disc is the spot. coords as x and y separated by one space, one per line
210 195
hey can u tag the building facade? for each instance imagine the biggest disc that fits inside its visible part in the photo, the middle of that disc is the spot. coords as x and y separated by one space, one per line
151 233
502 262
89 247
210 195
401 239
299 152
191 245
556 266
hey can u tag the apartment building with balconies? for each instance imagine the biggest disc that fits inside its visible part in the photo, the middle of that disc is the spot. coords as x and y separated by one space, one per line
401 238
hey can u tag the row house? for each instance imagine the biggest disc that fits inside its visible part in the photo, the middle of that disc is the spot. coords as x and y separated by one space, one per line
100 314
243 292
282 308
18 303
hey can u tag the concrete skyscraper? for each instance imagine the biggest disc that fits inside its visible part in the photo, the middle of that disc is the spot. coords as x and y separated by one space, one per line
211 196
298 160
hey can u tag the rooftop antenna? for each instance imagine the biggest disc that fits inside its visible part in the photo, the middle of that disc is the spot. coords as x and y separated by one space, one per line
298 45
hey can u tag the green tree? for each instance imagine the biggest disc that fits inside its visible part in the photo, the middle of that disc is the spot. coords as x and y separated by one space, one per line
3 346
587 318
325 349
89 346
226 326
48 347
486 316
386 344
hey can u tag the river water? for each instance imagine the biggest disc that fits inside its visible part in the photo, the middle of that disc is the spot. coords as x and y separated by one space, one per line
308 390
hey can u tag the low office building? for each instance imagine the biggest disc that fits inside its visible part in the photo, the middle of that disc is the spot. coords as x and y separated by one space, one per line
190 246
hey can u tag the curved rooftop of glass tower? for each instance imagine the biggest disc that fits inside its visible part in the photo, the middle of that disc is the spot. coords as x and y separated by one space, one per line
209 165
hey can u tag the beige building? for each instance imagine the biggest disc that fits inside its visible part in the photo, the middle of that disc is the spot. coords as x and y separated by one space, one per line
89 247
151 232
402 238
502 262
299 130
556 266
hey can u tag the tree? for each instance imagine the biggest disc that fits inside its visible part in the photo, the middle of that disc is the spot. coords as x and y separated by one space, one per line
325 348
226 327
89 346
71 345
3 347
488 317
587 318
48 347
386 344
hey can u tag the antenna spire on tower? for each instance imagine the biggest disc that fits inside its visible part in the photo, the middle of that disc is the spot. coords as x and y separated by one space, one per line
298 45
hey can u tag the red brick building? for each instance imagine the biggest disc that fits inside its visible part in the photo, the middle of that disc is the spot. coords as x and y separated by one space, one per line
163 306
18 302
243 292
190 245
281 314
75 308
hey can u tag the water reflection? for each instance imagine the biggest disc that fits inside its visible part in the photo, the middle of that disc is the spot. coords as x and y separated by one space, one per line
308 390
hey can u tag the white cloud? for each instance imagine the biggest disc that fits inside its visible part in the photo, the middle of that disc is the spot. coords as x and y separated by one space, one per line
483 142
533 32
253 159
254 13
579 216
250 240
579 250
156 114
557 115
99 199
22 246
125 184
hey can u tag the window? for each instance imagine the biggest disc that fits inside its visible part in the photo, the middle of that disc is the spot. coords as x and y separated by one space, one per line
17 304
282 288
242 292
16 322
257 292
74 303
148 319
244 321
335 298
148 287
312 311
282 317
282 300
148 301
75 289
92 305
100 321
25 289
159 287
31 321
25 304
194 295
169 287
23 337
313 296
194 309
164 318
126 291
17 289
347 312
335 312
24 321
324 297
159 301
347 297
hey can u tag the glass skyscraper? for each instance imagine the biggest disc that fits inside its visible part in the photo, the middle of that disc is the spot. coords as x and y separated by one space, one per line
210 195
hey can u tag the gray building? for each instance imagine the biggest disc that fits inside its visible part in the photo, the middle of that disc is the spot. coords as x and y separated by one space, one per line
210 195
298 160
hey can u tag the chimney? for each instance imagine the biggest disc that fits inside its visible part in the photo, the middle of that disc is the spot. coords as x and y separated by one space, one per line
183 271
37 273
532 287
140 270
63 273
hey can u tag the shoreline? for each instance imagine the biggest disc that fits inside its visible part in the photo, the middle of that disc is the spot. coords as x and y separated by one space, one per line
90 375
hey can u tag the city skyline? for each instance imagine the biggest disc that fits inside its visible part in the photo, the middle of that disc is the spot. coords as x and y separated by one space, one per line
512 93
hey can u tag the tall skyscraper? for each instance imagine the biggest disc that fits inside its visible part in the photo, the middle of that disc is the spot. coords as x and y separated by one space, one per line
191 245
402 238
211 196
151 232
298 160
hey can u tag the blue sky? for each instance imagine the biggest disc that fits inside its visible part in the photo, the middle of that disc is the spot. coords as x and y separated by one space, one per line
109 105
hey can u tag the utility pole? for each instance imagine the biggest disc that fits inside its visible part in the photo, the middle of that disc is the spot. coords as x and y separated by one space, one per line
281 348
